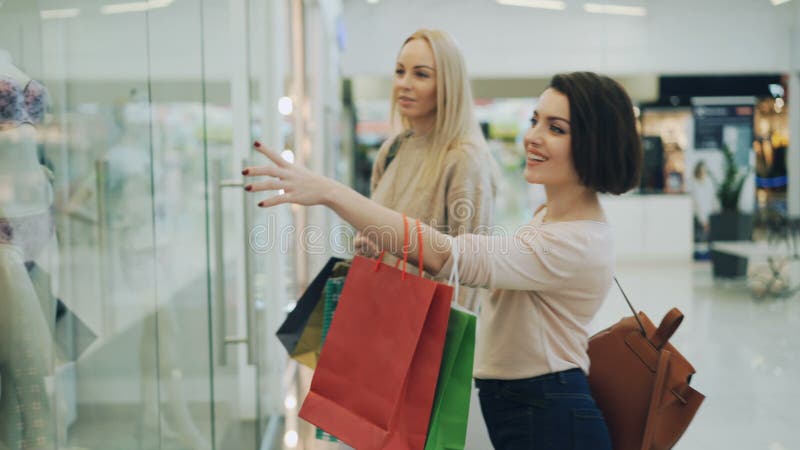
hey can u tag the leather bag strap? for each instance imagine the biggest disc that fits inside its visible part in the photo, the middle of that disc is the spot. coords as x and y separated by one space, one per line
669 324
655 399
635 315
393 149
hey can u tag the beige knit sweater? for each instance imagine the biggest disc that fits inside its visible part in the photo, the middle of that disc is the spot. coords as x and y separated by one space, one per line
550 279
460 201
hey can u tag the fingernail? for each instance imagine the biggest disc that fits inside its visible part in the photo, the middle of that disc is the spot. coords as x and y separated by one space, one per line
261 204
249 187
245 171
257 144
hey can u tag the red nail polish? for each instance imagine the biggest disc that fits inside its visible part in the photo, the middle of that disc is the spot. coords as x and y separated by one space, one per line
245 171
261 204
248 188
257 144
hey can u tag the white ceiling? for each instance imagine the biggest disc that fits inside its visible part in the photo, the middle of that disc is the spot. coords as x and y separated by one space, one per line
676 36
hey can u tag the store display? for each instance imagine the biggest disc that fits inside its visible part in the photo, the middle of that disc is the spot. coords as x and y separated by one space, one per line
771 146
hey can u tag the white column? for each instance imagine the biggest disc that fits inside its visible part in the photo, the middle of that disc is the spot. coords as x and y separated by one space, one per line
316 37
302 141
793 154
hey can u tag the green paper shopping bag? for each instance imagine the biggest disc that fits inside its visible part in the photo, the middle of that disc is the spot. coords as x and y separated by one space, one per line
333 290
448 424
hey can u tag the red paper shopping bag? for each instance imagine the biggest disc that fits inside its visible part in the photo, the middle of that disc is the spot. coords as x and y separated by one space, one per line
376 377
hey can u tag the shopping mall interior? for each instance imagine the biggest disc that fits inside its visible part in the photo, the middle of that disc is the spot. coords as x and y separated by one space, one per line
141 288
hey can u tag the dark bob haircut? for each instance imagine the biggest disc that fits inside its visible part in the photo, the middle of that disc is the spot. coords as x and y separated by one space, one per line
606 149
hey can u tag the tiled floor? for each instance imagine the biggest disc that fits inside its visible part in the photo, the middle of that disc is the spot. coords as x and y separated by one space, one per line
746 353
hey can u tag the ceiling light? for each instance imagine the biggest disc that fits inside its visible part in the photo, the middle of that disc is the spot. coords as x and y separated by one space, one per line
779 2
59 13
776 90
285 106
598 8
121 8
557 5
290 402
290 439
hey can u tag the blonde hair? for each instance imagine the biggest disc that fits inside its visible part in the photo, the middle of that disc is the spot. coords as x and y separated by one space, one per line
455 123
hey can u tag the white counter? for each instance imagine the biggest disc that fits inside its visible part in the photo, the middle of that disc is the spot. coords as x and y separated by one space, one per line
651 227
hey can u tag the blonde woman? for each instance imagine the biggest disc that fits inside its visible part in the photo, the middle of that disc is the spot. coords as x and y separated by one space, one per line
434 166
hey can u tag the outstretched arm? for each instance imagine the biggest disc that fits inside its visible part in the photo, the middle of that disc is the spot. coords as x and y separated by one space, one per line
382 225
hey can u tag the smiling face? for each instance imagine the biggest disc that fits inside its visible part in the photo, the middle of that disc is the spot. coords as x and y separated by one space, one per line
548 143
414 86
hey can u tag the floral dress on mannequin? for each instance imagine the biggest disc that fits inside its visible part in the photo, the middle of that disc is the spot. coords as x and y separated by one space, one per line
26 227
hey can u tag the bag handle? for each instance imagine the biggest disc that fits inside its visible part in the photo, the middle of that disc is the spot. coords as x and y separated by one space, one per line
421 249
454 279
635 314
669 324
392 153
406 246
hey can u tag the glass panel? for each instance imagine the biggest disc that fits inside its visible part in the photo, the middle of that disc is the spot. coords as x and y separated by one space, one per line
227 139
130 284
82 363
180 188
270 278
104 153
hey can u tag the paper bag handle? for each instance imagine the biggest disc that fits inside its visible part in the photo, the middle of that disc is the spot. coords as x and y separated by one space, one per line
406 246
454 276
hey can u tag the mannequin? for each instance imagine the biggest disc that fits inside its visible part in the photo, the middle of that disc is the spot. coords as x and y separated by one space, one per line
26 226
22 177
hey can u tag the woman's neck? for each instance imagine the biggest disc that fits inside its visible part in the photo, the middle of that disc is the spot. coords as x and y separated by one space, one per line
422 126
575 202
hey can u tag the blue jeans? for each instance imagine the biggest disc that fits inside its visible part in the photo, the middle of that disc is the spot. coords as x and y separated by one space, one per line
555 411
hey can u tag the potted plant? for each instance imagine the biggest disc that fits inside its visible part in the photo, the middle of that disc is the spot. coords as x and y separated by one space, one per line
730 224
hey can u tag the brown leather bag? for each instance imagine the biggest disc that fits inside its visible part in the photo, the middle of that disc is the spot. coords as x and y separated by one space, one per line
641 383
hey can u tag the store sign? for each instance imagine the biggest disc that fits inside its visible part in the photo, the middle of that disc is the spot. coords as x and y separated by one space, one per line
726 123
710 121
717 126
